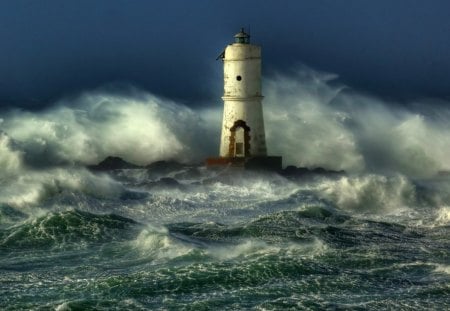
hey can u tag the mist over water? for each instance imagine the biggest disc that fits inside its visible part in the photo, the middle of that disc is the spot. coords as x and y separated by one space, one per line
95 125
184 237
311 121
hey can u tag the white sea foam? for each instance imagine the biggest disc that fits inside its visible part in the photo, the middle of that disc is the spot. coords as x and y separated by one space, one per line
10 159
442 269
263 187
158 244
303 126
313 122
140 129
310 120
443 215
36 186
216 201
258 248
369 193
63 307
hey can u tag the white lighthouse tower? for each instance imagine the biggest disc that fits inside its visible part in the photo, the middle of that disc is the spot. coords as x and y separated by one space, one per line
243 138
243 123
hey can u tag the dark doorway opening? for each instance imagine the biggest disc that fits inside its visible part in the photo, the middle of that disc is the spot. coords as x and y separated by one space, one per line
239 140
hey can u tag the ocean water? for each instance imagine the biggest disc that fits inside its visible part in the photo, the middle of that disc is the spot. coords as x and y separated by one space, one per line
180 237
188 238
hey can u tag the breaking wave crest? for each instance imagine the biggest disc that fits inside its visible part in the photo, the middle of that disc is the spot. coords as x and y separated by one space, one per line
69 229
140 129
314 121
35 187
370 193
443 215
10 159
179 236
311 121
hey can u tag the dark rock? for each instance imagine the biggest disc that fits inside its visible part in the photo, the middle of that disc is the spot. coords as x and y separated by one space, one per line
268 163
112 163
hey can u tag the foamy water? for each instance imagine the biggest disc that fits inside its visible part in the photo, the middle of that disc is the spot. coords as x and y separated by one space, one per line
374 238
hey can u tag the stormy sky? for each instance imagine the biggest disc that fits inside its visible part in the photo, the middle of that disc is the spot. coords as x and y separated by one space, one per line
53 49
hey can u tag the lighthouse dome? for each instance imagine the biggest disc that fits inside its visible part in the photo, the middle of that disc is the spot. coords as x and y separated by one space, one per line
242 37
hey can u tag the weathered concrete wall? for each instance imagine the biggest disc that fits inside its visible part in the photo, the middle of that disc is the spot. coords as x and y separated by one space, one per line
244 61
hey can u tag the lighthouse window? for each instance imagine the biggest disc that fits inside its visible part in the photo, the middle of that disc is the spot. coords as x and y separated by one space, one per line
239 78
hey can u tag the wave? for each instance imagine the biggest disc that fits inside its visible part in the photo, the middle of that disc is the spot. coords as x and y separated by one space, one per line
141 129
37 186
302 226
370 193
442 269
309 232
314 249
72 229
443 215
236 197
9 215
204 241
311 121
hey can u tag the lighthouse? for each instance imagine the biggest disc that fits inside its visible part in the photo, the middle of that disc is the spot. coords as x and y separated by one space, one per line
243 123
243 139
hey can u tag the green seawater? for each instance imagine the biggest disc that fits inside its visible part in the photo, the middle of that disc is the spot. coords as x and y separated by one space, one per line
260 243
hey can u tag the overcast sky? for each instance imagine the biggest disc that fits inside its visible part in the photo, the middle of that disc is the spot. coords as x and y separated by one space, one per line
50 49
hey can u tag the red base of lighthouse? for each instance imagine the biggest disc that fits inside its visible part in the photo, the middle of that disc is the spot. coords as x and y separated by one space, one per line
272 163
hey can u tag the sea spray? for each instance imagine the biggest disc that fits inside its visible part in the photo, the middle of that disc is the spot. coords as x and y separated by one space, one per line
188 238
315 121
94 126
10 158
305 127
369 193
312 121
33 187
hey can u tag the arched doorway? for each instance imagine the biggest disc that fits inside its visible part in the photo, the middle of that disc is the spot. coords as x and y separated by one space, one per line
239 140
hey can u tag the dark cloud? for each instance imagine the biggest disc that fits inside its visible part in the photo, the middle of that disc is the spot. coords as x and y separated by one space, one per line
52 49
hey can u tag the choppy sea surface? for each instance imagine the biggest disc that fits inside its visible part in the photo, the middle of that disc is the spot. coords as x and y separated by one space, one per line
194 239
